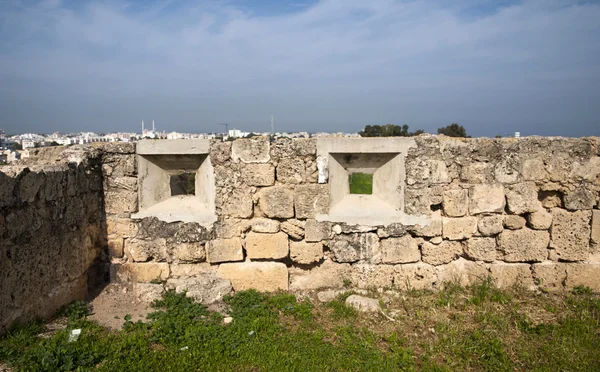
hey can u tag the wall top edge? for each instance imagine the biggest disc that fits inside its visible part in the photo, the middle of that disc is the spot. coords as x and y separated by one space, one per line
173 147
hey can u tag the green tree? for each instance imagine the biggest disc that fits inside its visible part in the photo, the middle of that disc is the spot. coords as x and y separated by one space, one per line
388 130
453 130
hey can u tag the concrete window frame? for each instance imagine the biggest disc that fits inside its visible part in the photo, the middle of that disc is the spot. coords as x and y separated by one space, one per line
337 158
157 161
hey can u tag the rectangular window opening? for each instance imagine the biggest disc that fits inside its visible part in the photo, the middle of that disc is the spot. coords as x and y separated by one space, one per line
361 183
183 184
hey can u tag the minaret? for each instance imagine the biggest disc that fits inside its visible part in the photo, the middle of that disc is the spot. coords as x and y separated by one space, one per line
152 126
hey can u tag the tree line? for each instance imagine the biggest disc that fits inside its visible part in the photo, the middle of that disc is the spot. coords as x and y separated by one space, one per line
391 130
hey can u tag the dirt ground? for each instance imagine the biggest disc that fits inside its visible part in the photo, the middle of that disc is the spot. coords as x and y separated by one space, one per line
110 306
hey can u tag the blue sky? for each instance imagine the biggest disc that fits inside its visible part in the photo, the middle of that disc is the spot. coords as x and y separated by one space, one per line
333 65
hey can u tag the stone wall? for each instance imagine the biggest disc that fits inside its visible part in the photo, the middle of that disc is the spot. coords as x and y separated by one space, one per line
521 211
51 231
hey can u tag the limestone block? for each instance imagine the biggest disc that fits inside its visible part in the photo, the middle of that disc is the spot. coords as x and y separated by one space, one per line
461 272
258 174
355 247
363 304
115 246
145 250
392 230
294 228
368 276
475 172
442 253
438 172
122 183
490 225
506 171
486 199
580 199
456 202
587 275
414 276
534 170
587 170
595 238
550 199
274 246
436 240
183 270
433 229
206 288
523 198
146 272
124 227
220 152
481 249
399 250
189 252
315 231
251 150
509 275
570 233
231 228
459 228
148 292
327 275
310 200
306 253
550 276
265 225
238 203
513 222
291 170
262 276
540 220
224 250
305 146
116 202
29 186
329 295
276 202
524 245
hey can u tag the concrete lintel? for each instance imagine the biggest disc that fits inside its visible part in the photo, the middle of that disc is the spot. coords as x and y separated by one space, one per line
399 145
173 147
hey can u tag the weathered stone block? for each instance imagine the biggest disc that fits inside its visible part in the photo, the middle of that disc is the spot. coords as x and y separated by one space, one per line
237 204
587 275
115 246
513 222
327 275
262 276
315 231
306 253
433 229
291 170
275 246
355 247
30 185
220 152
595 237
368 276
116 202
490 225
459 228
294 228
363 304
550 199
276 202
414 276
481 249
580 199
144 272
442 253
509 275
310 200
258 174
251 150
506 171
486 199
392 230
550 276
148 292
438 172
399 250
184 270
456 202
189 252
540 220
523 198
224 250
475 172
534 170
124 227
570 234
524 245
265 225
145 250
206 288
231 228
461 272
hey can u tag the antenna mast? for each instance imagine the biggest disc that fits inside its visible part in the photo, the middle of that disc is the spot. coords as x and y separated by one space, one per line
272 124
142 127
152 125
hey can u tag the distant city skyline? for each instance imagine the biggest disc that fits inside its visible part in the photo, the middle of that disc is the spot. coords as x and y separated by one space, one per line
495 66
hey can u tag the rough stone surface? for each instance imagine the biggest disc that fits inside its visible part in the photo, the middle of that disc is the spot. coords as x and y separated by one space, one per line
224 250
550 199
251 150
595 237
513 222
355 247
580 199
459 228
392 230
414 276
327 275
524 245
540 220
587 275
456 202
486 199
368 276
442 253
148 292
534 170
262 276
310 200
238 203
570 234
206 289
399 250
306 253
433 229
315 231
363 304
276 202
522 198
549 275
258 174
294 228
265 225
145 250
230 228
461 272
509 275
273 246
490 225
189 252
291 170
146 272
329 295
481 249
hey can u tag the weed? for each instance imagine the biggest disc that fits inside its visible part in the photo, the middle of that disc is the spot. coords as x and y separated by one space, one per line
582 290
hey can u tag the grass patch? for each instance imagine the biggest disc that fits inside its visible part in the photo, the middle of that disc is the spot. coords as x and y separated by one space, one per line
478 328
360 183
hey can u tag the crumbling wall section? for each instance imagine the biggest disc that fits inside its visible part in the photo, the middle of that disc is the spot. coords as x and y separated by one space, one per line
51 231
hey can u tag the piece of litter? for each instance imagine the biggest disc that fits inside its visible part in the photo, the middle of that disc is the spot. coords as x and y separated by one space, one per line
227 320
74 335
184 348
251 333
